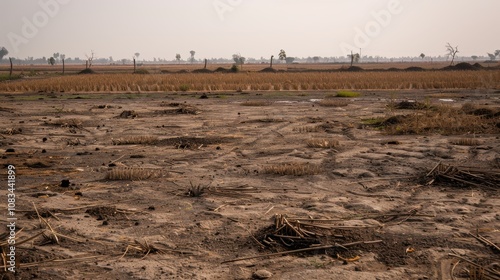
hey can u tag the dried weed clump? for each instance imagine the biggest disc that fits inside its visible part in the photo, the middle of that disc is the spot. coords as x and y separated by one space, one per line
324 143
445 120
333 103
130 173
295 169
308 129
256 103
466 142
136 140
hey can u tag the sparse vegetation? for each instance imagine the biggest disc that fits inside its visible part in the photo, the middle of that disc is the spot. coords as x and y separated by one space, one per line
295 169
129 173
324 143
308 129
333 103
345 93
256 103
465 142
136 140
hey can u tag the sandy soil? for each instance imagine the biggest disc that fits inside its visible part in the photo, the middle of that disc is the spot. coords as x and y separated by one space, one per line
151 228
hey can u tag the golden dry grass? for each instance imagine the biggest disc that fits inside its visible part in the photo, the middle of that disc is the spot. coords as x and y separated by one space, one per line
445 120
136 139
324 143
308 129
466 142
125 173
257 81
295 169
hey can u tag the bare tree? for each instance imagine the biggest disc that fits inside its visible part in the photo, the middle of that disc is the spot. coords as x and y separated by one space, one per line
354 57
90 58
451 52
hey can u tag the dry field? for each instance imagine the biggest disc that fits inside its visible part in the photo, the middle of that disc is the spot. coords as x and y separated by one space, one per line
251 175
254 81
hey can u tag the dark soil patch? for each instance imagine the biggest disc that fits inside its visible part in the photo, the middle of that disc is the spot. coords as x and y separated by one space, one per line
221 70
268 70
414 69
411 105
105 213
202 71
354 69
194 142
87 71
127 114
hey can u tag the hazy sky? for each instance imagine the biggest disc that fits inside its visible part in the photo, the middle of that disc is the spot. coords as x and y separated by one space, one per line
253 28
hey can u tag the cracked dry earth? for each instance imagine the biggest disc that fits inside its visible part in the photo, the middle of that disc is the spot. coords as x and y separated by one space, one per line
199 189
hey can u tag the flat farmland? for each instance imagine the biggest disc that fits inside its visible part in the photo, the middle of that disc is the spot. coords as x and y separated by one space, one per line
373 175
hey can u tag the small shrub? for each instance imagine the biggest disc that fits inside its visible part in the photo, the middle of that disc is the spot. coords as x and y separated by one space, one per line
234 68
344 93
184 87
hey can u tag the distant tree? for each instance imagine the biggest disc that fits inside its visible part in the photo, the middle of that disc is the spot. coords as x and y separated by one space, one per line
354 57
316 59
90 58
474 57
238 59
178 58
289 60
124 60
3 52
494 55
52 61
451 52
137 55
111 59
62 56
192 56
422 56
282 55
56 56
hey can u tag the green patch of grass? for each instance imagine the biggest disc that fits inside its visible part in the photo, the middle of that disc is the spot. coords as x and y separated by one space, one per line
345 93
6 77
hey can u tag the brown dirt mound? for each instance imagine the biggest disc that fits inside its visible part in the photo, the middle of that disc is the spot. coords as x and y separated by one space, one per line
269 70
414 69
221 69
354 69
87 71
201 71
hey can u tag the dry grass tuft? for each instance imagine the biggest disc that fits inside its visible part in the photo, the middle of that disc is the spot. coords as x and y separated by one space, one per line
324 143
71 123
295 169
333 103
308 129
130 173
136 140
256 103
466 142
445 120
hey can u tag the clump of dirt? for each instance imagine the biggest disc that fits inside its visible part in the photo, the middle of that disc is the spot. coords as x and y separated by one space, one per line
268 70
354 69
414 69
204 70
87 71
128 114
193 142
221 70
463 66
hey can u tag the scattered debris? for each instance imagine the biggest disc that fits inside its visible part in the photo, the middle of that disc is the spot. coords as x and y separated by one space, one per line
128 114
465 176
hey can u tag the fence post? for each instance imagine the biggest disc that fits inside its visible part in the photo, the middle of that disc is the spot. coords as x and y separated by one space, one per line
63 65
10 73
